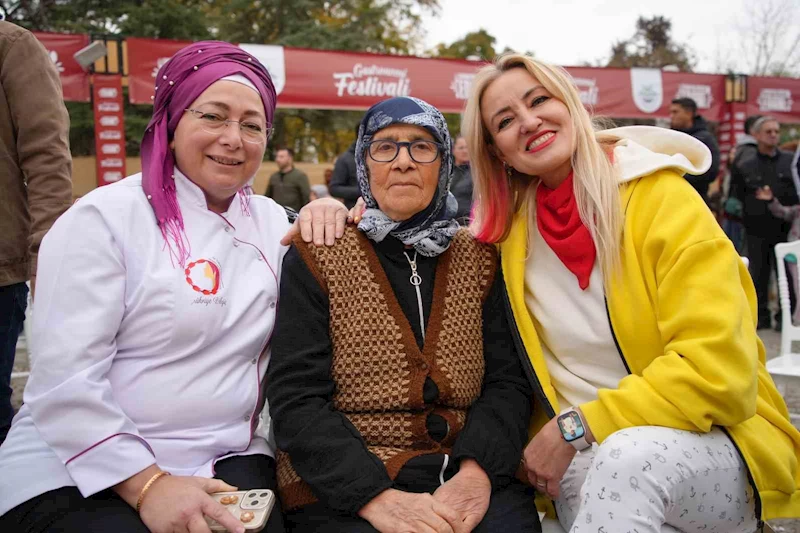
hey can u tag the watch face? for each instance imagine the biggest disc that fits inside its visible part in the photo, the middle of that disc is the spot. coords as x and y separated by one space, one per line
571 426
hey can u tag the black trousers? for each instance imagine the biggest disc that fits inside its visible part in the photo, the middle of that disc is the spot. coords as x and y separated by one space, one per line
65 510
761 253
13 301
511 508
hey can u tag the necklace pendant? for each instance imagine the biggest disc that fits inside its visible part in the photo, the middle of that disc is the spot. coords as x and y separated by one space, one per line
416 279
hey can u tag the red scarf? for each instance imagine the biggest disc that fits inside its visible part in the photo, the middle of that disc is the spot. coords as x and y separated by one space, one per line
563 230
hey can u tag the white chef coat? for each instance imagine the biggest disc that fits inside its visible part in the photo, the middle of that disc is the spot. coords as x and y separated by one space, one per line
134 363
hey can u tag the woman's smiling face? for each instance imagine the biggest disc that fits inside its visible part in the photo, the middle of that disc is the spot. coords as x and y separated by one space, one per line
531 130
220 163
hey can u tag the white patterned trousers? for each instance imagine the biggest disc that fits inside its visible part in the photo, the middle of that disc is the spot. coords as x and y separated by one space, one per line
654 480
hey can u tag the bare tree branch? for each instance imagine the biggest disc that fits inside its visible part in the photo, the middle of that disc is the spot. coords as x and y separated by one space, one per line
769 38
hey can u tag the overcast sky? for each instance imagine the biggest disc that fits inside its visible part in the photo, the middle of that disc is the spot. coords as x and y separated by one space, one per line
570 32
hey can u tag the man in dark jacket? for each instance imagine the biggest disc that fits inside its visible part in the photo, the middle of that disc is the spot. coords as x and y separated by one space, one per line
344 182
289 186
765 167
35 181
684 117
461 186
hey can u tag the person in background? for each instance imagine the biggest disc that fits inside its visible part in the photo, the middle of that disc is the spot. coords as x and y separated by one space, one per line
730 216
288 186
318 191
156 299
732 207
35 181
753 170
789 214
328 175
684 117
747 144
461 186
344 182
793 147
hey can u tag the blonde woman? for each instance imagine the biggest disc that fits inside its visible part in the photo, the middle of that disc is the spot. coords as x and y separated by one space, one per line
638 318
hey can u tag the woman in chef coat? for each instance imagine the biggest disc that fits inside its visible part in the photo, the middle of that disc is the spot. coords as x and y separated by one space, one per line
155 303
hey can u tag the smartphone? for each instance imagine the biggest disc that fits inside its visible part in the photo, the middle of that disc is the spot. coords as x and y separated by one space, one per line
252 507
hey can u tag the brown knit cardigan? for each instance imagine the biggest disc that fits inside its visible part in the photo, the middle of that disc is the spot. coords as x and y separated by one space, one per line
378 368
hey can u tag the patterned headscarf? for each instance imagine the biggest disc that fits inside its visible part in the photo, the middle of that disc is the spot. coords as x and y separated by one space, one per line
179 82
431 230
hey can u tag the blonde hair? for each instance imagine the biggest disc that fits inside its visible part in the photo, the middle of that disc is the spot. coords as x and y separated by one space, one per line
498 197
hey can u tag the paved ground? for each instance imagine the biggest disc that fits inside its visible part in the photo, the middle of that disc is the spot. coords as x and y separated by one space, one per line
771 341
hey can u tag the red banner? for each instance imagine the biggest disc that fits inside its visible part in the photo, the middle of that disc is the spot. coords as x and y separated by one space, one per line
343 80
779 97
109 128
323 79
145 57
61 47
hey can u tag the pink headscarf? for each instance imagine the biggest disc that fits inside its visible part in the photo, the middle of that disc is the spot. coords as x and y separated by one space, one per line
179 82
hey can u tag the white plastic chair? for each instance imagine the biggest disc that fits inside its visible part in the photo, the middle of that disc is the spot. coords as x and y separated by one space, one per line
787 364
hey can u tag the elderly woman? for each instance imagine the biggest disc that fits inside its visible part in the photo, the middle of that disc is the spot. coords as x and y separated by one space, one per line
398 399
638 318
156 299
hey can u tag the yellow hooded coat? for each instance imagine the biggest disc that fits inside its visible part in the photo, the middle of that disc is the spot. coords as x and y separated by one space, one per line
683 315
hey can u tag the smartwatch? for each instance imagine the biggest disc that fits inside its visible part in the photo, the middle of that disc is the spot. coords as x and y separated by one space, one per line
572 428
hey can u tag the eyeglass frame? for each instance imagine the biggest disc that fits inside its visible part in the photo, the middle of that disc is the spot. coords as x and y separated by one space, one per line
407 145
268 129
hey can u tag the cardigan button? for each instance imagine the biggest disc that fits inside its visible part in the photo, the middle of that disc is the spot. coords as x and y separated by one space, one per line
423 365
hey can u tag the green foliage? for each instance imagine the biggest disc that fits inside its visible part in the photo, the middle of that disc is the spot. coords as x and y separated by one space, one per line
81 128
474 44
136 119
169 19
652 46
314 134
386 26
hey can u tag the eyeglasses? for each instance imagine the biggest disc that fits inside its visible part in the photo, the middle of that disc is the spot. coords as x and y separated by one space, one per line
251 131
386 151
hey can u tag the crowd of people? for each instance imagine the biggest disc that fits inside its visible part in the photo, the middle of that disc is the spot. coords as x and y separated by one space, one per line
535 316
763 177
755 199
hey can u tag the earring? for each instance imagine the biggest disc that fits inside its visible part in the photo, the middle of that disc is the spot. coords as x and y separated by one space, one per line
509 169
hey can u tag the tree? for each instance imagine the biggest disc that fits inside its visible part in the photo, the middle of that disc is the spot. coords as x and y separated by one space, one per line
474 44
166 19
386 26
652 46
769 38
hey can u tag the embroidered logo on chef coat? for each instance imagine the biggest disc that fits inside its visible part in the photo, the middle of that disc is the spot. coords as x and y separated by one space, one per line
203 276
